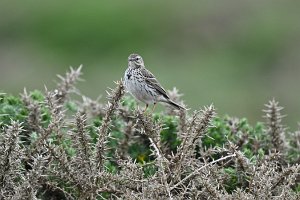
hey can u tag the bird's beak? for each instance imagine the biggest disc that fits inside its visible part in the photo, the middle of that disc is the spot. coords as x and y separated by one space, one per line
130 59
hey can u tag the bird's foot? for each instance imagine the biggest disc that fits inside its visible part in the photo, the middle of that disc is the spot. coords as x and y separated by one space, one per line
153 108
145 109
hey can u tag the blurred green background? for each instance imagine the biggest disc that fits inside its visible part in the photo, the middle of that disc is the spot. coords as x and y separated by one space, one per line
236 54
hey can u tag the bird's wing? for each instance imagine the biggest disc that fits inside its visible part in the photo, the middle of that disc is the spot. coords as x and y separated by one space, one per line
151 80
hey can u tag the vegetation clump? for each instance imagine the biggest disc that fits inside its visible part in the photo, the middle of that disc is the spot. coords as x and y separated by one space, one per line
55 147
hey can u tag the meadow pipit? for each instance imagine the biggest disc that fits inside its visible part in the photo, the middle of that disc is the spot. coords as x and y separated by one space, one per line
142 84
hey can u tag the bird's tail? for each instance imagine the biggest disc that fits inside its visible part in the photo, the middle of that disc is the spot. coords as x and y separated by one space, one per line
175 105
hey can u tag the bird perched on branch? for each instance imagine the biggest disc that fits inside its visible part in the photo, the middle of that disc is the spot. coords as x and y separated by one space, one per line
142 84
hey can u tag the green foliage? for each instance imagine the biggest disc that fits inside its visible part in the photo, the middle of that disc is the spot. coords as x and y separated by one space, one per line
169 133
249 139
149 170
71 106
236 135
37 96
11 108
216 135
129 102
297 188
140 152
231 182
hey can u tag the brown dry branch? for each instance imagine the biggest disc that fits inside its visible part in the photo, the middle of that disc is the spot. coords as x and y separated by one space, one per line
91 107
150 128
82 142
191 175
67 84
152 131
114 98
176 97
288 174
11 154
72 158
32 180
200 122
128 138
34 116
196 129
56 122
274 126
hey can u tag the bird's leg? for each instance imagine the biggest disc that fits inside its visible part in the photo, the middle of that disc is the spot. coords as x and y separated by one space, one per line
154 105
145 108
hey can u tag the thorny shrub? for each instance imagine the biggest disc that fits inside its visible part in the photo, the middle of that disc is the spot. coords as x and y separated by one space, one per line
54 147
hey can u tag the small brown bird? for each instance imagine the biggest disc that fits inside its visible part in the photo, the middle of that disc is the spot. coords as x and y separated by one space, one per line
142 84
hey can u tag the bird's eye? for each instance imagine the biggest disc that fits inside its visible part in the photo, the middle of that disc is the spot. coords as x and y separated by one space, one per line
137 58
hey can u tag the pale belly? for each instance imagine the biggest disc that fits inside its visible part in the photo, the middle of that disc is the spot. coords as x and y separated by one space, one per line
140 90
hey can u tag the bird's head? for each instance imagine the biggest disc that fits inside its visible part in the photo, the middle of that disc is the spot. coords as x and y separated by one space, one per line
135 61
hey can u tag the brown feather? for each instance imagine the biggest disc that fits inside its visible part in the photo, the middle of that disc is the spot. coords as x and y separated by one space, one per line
151 80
